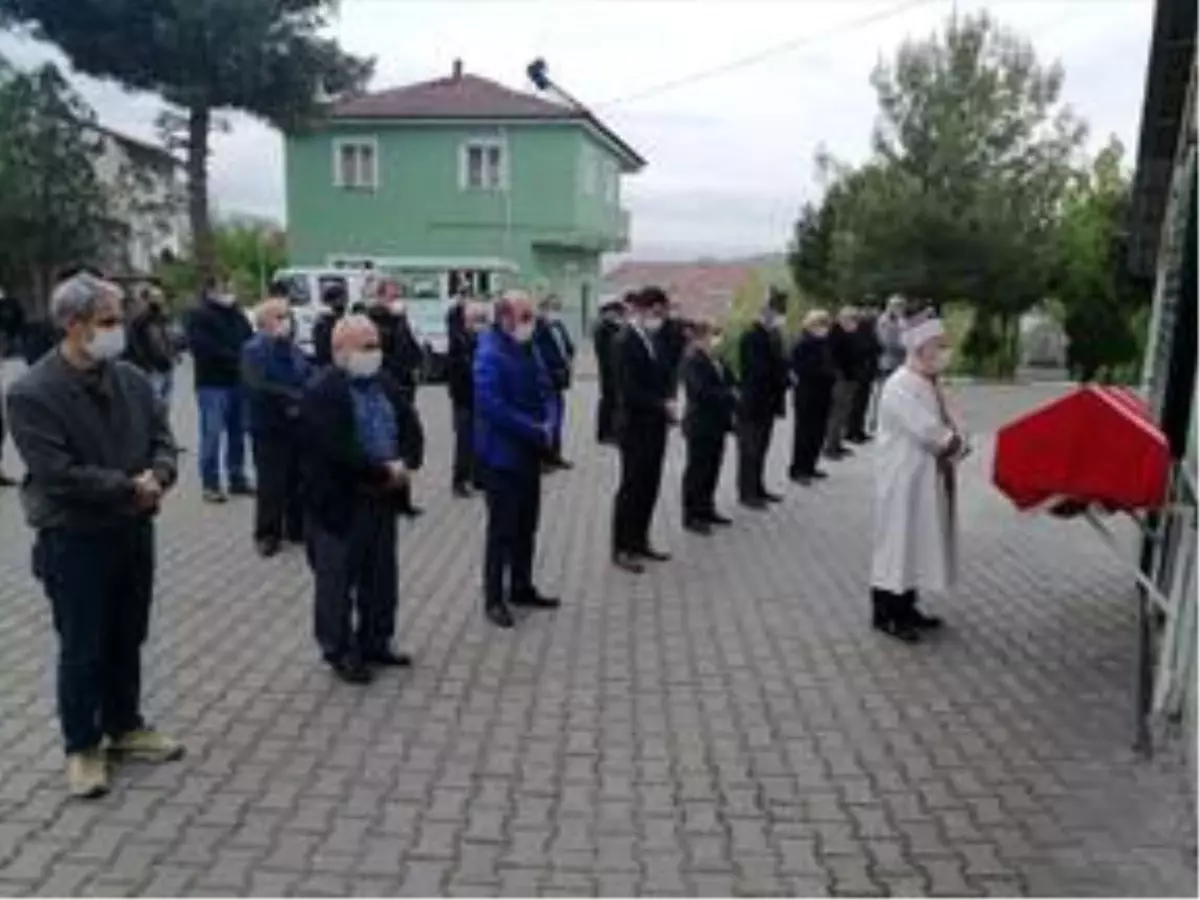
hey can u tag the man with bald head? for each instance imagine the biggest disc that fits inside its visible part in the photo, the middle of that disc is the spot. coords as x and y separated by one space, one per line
274 372
514 435
362 441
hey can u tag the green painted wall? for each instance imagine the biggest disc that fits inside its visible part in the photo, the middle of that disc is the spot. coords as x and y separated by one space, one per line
546 223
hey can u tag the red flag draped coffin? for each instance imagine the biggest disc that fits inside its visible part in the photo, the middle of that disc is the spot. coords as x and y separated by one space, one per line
1095 446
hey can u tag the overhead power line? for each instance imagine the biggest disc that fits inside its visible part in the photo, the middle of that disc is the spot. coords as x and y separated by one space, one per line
776 50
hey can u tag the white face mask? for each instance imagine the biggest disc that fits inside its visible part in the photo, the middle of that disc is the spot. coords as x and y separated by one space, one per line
398 308
364 363
524 332
652 324
283 329
225 299
106 343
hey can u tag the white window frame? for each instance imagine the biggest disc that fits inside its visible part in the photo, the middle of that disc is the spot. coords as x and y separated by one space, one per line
482 144
359 142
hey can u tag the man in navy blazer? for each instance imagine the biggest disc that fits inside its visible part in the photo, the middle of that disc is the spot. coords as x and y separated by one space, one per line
556 350
514 434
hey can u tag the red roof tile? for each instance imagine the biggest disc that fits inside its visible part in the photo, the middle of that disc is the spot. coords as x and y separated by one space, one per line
700 289
465 96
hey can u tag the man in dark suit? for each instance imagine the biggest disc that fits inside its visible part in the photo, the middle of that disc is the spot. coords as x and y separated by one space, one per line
464 322
672 339
361 442
844 354
334 300
645 411
403 359
711 399
514 430
612 318
764 385
557 352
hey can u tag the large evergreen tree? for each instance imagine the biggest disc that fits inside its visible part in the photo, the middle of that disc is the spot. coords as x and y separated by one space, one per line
265 57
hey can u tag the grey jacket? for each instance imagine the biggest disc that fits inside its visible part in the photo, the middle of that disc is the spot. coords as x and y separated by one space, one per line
889 330
84 437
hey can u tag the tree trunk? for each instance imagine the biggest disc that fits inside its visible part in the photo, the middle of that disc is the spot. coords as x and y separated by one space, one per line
199 119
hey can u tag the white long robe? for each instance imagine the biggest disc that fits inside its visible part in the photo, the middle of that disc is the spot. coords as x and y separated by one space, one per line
915 518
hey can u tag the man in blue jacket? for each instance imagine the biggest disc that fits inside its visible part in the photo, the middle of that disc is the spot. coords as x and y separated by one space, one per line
514 433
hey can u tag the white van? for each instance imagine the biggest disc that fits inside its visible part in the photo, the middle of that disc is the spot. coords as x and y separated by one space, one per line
305 289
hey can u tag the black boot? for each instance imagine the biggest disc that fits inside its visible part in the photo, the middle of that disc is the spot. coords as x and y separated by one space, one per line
889 616
915 617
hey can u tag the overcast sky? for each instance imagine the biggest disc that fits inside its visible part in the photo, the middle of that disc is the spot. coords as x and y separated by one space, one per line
730 155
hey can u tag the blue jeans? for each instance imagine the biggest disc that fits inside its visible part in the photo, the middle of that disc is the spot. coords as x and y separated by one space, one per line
162 384
100 585
221 412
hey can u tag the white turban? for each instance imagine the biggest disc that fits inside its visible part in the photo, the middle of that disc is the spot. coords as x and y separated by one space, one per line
921 331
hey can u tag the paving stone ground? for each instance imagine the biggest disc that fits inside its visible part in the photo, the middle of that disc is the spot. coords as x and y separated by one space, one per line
725 725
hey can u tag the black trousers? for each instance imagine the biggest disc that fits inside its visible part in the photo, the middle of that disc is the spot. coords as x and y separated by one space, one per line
754 443
100 585
355 577
606 408
278 508
463 467
856 420
810 421
643 447
705 453
514 502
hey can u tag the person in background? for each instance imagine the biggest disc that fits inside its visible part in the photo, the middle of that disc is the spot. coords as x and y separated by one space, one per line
274 373
12 329
707 421
361 443
556 350
403 360
335 301
460 382
889 333
672 341
150 346
812 396
216 331
646 409
612 319
844 356
916 519
866 352
763 389
514 431
100 459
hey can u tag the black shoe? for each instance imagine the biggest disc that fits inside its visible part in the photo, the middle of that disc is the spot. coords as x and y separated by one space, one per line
697 526
818 475
719 520
351 670
858 438
241 489
267 547
653 555
462 491
7 480
534 600
838 453
754 503
499 615
628 562
917 619
772 498
389 658
411 512
888 615
563 464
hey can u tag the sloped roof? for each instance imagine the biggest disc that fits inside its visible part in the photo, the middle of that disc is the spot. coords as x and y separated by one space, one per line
1170 67
465 96
700 289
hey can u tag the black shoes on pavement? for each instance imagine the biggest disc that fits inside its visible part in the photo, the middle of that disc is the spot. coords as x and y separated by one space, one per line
897 616
355 669
500 614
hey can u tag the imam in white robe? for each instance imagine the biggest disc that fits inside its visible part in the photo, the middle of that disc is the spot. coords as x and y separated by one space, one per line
915 517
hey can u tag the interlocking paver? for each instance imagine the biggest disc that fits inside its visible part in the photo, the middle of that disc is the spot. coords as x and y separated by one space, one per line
724 725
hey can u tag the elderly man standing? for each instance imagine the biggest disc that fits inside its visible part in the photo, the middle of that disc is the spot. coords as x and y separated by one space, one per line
362 441
764 384
274 372
843 352
514 433
100 457
557 353
460 381
216 331
612 318
920 444
889 335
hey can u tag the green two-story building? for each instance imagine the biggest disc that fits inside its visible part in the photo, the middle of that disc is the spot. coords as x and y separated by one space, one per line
462 175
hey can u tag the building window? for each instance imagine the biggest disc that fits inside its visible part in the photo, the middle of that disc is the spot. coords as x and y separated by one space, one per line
589 171
356 164
483 165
